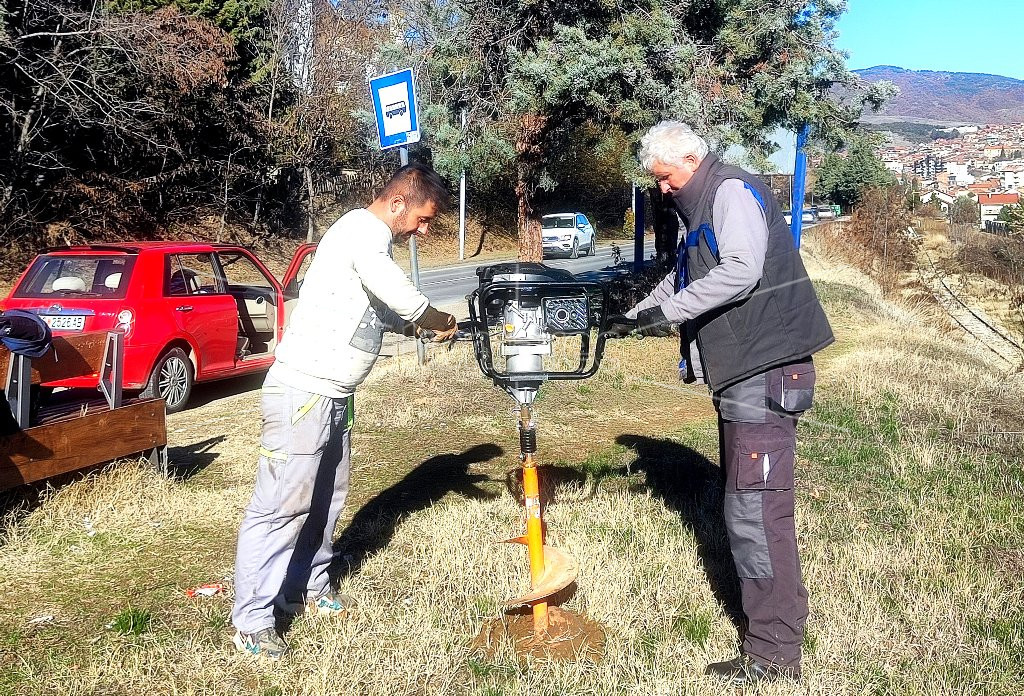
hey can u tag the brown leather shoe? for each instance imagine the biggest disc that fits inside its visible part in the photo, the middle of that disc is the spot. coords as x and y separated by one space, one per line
744 670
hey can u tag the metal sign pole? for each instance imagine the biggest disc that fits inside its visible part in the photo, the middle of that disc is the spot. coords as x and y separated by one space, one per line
394 106
414 261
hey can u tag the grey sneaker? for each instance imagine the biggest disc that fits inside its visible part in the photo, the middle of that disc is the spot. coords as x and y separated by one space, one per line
266 644
333 604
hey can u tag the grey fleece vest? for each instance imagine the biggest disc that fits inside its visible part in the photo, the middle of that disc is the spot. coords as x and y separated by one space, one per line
780 321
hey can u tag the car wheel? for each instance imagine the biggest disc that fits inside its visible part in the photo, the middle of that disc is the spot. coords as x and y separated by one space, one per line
171 380
575 253
592 249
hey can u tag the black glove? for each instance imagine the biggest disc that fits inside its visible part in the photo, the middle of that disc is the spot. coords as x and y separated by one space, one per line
619 326
652 322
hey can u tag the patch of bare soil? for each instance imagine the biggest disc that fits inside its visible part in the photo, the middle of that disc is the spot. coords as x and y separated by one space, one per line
570 637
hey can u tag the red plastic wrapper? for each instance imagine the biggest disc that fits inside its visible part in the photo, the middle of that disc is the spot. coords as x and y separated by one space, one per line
208 590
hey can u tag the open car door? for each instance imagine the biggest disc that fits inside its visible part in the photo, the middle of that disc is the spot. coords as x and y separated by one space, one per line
292 280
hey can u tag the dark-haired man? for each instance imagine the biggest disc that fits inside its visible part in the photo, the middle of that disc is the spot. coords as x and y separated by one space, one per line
352 291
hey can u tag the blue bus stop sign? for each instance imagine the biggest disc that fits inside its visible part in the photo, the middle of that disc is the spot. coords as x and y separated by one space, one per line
394 104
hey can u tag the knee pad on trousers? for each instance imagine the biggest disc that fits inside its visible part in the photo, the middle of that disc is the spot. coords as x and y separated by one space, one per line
744 521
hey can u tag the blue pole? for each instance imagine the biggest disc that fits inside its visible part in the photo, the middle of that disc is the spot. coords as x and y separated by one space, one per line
638 229
799 182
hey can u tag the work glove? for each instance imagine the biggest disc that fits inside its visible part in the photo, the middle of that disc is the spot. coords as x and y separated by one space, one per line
652 322
440 323
619 326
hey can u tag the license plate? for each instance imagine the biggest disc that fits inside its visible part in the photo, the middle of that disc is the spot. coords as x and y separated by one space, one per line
62 323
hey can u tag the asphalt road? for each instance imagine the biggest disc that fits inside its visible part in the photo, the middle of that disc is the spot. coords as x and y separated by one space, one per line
449 285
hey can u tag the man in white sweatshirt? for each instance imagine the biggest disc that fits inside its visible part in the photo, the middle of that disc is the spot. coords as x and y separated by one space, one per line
351 292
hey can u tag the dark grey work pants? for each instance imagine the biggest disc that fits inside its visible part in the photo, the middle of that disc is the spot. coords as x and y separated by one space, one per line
757 429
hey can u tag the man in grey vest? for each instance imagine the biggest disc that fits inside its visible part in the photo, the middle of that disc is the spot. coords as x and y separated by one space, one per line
750 321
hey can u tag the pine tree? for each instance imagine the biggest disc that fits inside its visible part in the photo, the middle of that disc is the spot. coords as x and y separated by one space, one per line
530 73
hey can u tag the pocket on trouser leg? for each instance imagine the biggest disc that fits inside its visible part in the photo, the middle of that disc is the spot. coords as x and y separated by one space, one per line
295 423
763 464
743 402
792 388
744 521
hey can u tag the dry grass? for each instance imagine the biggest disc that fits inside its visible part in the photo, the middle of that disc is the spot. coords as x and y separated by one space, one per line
909 509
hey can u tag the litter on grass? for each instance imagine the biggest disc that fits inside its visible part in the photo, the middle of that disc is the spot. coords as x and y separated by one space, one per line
208 590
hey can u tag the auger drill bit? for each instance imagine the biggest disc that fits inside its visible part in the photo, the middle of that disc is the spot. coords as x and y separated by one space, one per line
551 570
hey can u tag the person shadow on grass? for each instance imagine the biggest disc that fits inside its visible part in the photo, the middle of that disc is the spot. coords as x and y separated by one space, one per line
374 525
694 487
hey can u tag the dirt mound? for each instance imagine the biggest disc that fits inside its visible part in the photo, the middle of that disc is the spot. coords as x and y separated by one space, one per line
570 636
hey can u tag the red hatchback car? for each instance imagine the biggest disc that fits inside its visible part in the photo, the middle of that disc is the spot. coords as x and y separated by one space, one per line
190 312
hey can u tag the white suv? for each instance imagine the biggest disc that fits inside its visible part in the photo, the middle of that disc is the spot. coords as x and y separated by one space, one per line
567 234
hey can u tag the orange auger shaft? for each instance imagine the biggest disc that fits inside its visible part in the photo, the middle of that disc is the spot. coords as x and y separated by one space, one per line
534 539
551 570
535 524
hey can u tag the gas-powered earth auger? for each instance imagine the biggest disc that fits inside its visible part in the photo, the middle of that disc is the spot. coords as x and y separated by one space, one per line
517 313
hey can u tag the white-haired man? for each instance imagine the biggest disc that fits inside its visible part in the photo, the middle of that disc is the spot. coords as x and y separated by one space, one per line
750 323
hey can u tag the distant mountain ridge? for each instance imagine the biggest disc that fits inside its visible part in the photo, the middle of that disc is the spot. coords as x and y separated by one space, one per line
948 97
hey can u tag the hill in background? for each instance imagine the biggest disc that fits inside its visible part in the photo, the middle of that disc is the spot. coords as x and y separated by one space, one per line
948 97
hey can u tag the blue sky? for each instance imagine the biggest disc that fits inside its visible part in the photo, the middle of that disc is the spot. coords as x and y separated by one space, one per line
982 36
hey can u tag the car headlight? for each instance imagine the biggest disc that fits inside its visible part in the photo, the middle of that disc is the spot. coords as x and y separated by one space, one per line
566 237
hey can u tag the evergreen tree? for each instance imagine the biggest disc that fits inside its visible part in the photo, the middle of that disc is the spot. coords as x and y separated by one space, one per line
844 180
531 73
1013 216
964 210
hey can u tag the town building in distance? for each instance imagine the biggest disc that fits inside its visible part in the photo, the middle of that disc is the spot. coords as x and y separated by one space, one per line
982 162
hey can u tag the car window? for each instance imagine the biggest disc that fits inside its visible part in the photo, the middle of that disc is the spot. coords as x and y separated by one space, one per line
557 222
191 274
68 275
240 271
581 220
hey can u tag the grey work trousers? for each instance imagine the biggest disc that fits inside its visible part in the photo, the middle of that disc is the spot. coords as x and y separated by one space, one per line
757 430
285 541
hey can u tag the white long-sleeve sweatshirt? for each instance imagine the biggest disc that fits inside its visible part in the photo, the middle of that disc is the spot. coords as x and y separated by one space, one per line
335 332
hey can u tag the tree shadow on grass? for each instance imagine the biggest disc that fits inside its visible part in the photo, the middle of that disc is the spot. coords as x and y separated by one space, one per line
373 527
693 486
18 502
